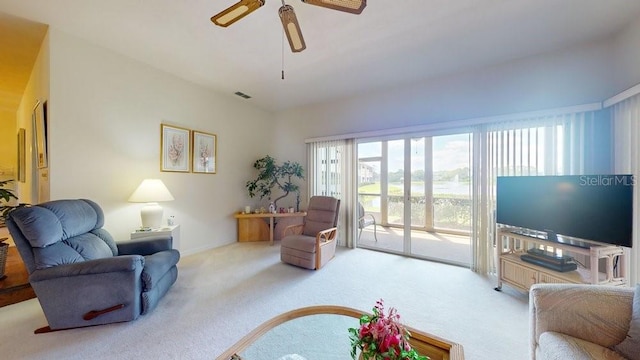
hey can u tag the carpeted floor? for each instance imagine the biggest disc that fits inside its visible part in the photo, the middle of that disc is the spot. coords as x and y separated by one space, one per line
223 294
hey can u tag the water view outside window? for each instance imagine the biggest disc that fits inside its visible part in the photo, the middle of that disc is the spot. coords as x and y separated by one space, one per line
452 182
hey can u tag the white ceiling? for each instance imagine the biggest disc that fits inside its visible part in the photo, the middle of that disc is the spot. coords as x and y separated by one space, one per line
392 43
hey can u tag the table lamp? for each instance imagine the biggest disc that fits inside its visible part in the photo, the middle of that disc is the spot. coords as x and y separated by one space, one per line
151 191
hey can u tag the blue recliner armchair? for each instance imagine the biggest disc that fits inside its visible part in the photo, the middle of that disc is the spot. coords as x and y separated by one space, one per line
80 275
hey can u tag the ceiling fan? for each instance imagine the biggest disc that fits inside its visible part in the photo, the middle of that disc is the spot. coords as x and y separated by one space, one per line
288 17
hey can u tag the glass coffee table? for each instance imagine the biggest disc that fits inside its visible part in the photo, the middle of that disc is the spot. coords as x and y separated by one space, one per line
321 333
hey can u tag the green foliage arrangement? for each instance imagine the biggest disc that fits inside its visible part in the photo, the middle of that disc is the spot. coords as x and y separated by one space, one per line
5 195
273 175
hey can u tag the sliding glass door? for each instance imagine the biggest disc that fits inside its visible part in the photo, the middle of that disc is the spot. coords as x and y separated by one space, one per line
417 188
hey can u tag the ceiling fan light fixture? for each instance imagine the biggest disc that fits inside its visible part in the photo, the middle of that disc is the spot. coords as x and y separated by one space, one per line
236 12
350 6
292 28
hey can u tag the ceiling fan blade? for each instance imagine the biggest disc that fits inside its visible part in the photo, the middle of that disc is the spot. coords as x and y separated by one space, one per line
350 6
236 12
292 28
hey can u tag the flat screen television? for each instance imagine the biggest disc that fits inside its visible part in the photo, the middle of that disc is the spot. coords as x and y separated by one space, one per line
591 207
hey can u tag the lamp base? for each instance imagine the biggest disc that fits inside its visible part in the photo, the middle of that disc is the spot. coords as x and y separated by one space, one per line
151 216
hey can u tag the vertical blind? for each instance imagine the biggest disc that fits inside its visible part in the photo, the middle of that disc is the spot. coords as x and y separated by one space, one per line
550 145
331 173
626 128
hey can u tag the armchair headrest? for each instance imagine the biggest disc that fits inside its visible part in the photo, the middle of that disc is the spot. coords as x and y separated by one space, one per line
321 215
47 223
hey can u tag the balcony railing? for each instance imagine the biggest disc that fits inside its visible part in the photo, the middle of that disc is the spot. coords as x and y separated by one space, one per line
449 211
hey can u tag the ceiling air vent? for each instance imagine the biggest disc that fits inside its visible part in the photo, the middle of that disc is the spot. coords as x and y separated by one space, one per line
242 95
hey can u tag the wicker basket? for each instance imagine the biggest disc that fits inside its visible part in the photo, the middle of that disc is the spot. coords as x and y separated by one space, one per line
4 247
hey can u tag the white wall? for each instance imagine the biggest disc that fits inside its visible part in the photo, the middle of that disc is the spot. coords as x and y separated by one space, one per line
8 143
573 76
105 116
627 58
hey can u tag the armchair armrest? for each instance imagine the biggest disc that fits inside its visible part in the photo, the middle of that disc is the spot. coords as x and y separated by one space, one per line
127 263
598 314
327 235
293 230
146 246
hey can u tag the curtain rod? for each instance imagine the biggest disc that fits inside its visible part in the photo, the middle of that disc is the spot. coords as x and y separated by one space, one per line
632 91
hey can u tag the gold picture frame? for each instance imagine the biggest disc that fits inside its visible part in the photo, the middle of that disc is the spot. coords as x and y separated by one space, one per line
204 156
174 148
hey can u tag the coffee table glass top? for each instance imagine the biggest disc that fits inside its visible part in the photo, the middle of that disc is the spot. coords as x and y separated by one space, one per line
314 337
321 333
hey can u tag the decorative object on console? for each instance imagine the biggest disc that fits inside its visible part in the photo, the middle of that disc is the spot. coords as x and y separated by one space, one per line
174 148
381 336
287 15
151 191
271 175
204 152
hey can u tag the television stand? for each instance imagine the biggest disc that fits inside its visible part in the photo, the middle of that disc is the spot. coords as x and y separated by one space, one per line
513 271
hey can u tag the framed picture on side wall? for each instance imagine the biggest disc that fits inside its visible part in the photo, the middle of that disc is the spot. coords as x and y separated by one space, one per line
204 152
174 148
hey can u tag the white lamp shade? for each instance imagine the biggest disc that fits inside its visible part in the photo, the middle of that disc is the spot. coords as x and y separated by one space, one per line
151 191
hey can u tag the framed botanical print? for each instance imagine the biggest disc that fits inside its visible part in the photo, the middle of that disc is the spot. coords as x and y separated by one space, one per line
204 152
174 148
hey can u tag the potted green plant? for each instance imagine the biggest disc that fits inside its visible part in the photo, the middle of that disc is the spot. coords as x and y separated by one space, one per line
273 175
5 197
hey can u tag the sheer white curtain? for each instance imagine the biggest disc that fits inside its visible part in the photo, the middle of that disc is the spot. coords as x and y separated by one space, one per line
551 145
331 173
626 129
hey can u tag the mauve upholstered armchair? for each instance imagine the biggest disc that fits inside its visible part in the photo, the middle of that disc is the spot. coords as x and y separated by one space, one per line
80 275
313 243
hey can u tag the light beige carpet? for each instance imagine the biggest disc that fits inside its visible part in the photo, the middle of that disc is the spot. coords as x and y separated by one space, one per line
224 293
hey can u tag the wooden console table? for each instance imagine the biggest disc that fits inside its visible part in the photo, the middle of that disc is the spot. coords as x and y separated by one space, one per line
253 227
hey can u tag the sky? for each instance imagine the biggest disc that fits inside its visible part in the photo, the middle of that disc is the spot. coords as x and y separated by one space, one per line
449 152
